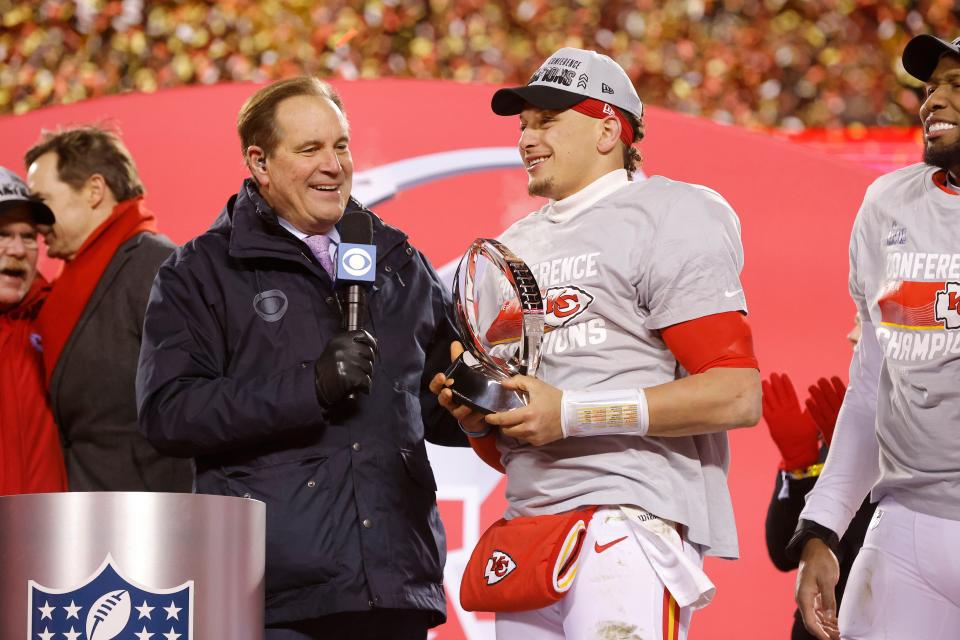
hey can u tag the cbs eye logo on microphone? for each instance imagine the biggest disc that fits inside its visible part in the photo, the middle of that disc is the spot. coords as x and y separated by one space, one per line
357 262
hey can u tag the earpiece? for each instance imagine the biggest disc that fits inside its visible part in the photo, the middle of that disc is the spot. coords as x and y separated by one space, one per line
262 162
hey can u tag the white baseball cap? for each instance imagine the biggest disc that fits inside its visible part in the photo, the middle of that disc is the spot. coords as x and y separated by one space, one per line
567 78
14 192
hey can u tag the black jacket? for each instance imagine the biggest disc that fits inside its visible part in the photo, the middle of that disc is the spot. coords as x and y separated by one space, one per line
236 319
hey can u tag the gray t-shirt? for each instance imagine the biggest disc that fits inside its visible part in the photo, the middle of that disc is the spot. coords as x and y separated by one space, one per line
905 277
651 254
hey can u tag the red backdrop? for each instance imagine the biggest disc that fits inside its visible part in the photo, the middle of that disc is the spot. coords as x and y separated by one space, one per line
796 205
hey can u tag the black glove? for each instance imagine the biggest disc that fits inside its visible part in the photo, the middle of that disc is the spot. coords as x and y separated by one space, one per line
345 366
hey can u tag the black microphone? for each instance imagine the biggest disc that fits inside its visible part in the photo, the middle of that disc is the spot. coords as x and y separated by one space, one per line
356 267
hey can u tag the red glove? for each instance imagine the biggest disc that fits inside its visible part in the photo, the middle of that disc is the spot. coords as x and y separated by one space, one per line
791 428
824 404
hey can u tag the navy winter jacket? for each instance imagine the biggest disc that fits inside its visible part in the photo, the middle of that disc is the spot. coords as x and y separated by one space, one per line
236 319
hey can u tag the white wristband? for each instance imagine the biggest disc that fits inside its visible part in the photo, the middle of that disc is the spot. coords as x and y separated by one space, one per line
598 413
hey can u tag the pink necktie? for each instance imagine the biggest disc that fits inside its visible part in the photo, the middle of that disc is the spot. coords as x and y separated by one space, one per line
320 248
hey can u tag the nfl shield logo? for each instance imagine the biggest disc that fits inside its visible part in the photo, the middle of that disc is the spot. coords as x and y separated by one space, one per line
108 606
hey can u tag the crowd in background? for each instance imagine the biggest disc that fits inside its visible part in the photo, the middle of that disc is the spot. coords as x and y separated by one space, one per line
757 63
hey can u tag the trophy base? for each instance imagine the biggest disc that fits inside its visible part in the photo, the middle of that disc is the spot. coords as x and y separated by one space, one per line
479 387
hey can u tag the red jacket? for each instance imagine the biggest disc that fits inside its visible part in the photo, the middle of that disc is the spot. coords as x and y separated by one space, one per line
30 456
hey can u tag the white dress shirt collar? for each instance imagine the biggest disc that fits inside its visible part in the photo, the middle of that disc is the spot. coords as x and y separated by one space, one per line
333 234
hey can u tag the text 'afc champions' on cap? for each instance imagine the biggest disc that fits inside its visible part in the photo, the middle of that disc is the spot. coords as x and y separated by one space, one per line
13 192
567 78
922 55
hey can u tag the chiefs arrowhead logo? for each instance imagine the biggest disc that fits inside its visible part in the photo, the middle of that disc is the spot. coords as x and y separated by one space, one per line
565 303
499 566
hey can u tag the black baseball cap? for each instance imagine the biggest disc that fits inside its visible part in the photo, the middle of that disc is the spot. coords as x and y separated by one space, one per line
13 192
922 55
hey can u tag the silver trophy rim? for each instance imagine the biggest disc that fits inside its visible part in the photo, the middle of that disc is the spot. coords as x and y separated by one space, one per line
524 284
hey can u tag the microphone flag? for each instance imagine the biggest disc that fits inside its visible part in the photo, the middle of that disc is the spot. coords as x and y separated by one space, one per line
356 263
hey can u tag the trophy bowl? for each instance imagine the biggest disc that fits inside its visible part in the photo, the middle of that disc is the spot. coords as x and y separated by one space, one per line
500 316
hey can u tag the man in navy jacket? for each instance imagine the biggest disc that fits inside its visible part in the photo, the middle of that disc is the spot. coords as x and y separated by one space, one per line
246 369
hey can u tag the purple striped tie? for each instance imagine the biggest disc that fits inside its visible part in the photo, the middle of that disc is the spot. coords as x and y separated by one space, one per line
320 248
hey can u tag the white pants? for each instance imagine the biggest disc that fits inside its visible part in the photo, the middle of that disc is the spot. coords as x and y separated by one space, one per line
905 583
619 593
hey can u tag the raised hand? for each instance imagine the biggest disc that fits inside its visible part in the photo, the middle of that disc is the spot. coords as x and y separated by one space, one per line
824 403
792 428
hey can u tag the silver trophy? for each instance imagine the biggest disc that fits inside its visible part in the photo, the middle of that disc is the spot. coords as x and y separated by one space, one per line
500 315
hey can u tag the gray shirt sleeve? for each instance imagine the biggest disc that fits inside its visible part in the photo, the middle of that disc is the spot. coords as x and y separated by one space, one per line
695 262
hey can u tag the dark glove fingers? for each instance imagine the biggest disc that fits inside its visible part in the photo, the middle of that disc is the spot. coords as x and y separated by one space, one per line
346 366
364 337
366 384
366 352
326 379
365 365
360 356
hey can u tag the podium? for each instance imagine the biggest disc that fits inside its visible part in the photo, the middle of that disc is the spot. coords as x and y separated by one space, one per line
99 566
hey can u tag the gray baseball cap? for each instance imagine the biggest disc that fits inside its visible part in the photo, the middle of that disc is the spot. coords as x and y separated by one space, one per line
567 78
922 54
14 192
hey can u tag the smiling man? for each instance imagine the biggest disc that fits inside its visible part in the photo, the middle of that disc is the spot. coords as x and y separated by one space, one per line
91 323
246 368
636 389
30 457
896 435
